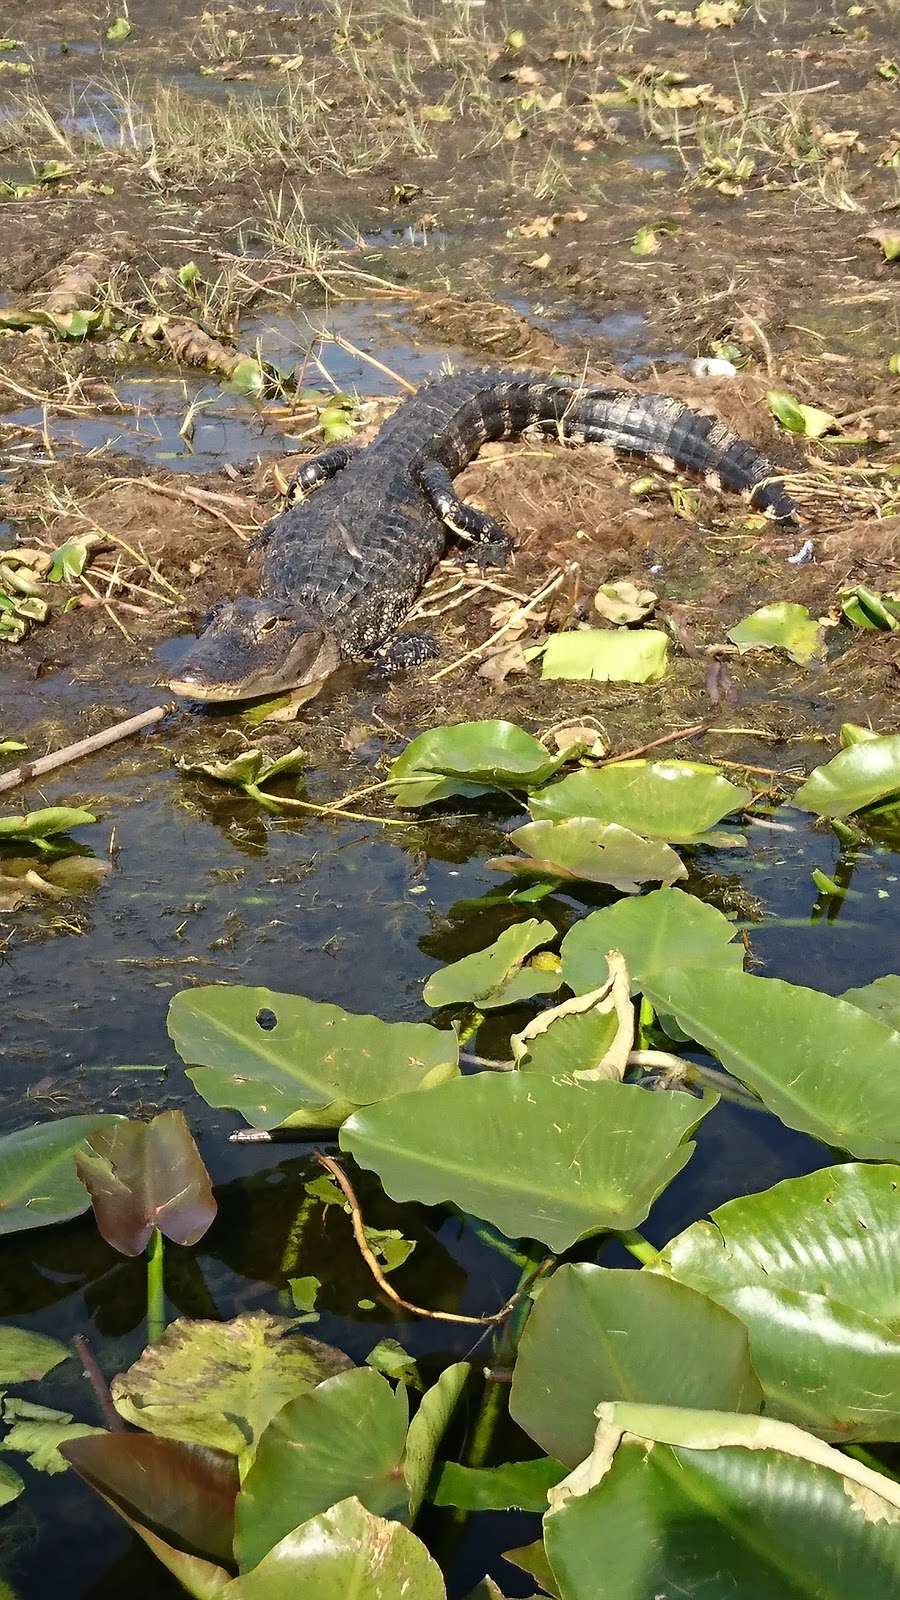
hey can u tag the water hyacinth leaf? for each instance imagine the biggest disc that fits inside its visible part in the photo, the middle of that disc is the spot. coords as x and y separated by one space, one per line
596 1335
344 1438
427 1429
185 1494
146 1175
280 1058
26 1357
38 1181
36 827
515 1486
470 758
538 1159
249 769
783 626
671 800
821 1065
220 1383
812 1267
11 1485
495 976
810 421
705 1502
881 999
620 657
865 773
663 929
595 852
344 1552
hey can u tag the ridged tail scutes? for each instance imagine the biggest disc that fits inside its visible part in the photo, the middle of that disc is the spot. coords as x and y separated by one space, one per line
673 435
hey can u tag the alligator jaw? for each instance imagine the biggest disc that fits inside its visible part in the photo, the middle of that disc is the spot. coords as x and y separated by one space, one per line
253 649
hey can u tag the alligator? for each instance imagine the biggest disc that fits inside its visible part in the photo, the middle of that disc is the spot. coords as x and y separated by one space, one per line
342 570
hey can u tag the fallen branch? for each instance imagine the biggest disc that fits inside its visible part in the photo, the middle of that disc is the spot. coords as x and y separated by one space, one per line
654 744
29 770
359 1234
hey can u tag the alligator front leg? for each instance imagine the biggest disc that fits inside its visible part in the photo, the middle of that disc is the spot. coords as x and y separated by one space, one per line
404 653
491 544
327 464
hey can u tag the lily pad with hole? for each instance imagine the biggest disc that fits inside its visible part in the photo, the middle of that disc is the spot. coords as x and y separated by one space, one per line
280 1059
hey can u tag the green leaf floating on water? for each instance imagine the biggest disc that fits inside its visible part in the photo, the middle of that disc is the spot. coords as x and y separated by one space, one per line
611 657
538 1159
820 1064
219 1384
671 800
810 421
344 1438
35 827
664 929
783 626
597 1335
26 1357
11 1487
496 976
514 1486
863 774
344 1552
38 1432
282 1059
705 1502
471 758
812 1267
38 1181
881 999
596 852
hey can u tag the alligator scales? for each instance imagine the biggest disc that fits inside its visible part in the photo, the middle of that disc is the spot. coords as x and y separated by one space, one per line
342 568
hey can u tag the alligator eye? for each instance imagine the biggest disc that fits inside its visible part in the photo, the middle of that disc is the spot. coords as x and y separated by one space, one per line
270 624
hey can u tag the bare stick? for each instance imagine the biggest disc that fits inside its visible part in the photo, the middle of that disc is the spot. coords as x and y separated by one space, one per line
359 1234
666 738
363 355
95 1378
84 747
512 622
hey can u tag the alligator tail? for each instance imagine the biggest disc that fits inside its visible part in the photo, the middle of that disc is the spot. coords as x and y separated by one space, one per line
673 436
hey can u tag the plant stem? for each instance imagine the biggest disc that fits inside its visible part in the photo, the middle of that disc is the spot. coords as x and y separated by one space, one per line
641 1248
859 1453
156 1290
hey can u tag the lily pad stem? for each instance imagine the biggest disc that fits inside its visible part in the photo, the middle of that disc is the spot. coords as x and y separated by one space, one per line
156 1293
641 1248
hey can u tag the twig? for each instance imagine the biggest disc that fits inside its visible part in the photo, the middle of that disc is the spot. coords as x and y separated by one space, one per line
91 1370
359 1234
511 622
362 355
204 499
666 738
83 747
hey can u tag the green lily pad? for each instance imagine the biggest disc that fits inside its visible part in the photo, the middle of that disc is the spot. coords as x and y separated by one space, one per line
810 421
705 1502
812 1267
597 1335
664 929
596 852
881 999
344 1438
282 1059
496 976
514 1486
219 1384
821 1065
470 758
538 1159
343 1553
38 1181
35 827
860 776
610 657
783 626
671 800
427 1430
26 1356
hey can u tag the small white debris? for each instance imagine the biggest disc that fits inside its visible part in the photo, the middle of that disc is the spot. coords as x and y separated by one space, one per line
712 367
801 556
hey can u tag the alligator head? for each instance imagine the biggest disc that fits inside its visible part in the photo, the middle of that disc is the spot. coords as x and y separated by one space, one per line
253 647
